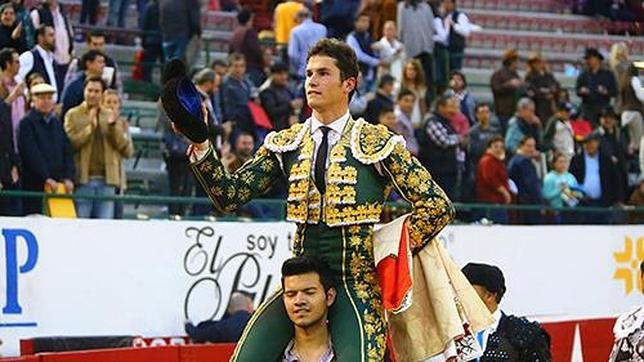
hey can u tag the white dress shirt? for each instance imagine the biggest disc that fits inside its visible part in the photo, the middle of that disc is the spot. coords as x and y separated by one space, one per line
491 329
27 64
334 136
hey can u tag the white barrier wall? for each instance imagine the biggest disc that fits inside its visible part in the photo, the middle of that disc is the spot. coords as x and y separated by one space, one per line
86 277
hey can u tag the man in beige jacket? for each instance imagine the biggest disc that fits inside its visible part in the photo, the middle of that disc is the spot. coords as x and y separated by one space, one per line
100 141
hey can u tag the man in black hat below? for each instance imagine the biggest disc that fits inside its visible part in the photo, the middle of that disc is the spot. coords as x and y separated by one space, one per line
598 177
278 101
595 85
510 338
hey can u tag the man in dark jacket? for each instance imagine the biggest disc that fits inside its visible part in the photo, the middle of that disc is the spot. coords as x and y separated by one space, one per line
246 42
8 163
45 150
595 86
278 101
438 144
93 63
384 99
179 21
505 84
227 330
513 338
237 91
598 176
522 171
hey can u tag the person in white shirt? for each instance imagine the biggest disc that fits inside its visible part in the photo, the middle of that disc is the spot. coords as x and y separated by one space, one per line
457 26
509 338
392 52
50 13
41 59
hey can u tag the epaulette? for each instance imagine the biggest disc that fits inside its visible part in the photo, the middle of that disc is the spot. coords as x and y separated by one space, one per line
371 143
523 333
286 140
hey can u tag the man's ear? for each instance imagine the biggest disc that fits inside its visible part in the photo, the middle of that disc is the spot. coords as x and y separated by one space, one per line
330 296
350 84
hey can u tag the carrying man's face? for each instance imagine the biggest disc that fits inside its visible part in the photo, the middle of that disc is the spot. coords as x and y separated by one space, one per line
306 302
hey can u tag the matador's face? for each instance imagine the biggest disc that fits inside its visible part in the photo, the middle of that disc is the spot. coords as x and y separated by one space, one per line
324 85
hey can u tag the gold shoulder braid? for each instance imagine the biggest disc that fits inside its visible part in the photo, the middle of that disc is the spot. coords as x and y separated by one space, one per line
371 144
286 140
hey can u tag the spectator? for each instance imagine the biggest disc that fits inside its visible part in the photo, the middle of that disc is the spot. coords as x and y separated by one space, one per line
335 15
383 99
559 137
619 63
278 101
492 182
100 141
415 19
542 87
414 80
206 83
285 19
221 68
246 42
9 176
307 285
523 173
387 118
112 101
152 41
392 52
11 32
111 75
378 13
45 151
302 38
243 151
11 91
179 21
361 42
505 84
227 330
637 200
41 59
23 17
631 94
613 143
560 187
32 80
359 101
89 11
174 149
237 91
117 13
481 133
595 86
51 13
597 176
439 144
508 335
458 27
93 63
458 89
524 123
404 126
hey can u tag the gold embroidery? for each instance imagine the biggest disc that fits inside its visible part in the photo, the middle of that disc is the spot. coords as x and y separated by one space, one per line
351 214
337 174
286 140
371 144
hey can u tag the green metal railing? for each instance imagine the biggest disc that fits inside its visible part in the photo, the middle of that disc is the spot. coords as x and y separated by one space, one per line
392 210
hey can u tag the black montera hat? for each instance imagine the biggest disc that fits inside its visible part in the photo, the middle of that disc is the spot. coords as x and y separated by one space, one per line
488 276
182 102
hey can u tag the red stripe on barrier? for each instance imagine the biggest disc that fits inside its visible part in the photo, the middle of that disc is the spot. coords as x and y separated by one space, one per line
157 354
206 352
21 359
